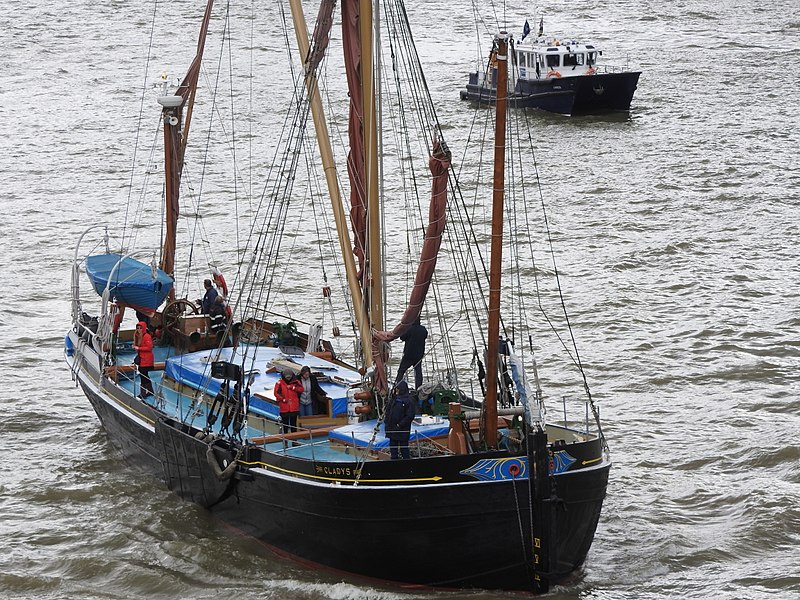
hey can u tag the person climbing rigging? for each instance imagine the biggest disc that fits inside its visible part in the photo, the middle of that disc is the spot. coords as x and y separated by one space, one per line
413 352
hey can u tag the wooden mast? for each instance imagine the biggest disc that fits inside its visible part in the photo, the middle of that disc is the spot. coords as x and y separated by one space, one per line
374 240
329 167
172 116
496 258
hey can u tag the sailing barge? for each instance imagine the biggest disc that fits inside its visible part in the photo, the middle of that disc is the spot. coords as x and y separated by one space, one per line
499 498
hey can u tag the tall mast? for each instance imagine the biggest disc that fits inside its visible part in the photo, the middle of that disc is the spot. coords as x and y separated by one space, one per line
496 259
175 137
172 109
329 166
374 240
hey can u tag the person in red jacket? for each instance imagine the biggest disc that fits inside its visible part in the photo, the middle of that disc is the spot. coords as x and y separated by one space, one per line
143 344
287 393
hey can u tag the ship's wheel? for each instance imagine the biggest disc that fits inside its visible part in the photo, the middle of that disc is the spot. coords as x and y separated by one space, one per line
174 311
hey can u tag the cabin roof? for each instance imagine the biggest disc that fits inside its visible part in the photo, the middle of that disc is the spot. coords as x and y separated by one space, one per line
555 46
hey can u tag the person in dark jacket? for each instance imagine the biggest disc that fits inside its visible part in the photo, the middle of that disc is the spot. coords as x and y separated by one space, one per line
219 318
399 416
209 297
143 344
413 352
313 399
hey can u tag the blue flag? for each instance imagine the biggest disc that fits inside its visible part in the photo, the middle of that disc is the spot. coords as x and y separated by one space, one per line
525 30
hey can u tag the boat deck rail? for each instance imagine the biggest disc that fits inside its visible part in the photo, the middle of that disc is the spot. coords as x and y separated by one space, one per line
571 420
578 414
612 68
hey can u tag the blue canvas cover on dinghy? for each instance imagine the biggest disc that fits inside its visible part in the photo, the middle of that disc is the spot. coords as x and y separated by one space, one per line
133 283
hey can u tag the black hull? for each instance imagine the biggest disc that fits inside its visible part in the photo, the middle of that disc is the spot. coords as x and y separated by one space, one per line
459 535
587 94
462 534
133 438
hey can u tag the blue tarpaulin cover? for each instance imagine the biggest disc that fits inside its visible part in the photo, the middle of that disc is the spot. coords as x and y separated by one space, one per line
194 370
360 434
132 283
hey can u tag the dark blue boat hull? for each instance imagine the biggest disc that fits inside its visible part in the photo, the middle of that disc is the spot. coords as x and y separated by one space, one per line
587 94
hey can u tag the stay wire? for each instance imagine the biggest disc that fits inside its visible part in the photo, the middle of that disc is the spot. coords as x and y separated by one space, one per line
225 38
141 114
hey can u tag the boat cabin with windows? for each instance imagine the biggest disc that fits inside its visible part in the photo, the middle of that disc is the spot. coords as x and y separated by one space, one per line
555 58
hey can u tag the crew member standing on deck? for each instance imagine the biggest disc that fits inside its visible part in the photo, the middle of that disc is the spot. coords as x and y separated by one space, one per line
209 298
287 393
399 416
313 400
143 344
219 318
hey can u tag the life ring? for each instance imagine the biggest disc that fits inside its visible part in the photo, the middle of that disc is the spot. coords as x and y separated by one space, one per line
553 73
219 280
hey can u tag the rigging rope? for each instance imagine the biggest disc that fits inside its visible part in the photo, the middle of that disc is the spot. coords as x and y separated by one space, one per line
139 120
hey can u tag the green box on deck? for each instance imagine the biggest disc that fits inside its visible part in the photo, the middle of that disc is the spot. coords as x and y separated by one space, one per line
439 403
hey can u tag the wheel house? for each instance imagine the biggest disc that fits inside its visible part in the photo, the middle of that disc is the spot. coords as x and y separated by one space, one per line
556 59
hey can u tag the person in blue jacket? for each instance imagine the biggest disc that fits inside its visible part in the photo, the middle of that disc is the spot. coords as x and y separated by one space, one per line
399 415
209 297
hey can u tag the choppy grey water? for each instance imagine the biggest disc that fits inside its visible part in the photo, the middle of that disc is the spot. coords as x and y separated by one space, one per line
679 249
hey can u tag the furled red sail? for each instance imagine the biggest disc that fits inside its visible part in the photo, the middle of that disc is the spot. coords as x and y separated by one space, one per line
439 164
355 158
322 35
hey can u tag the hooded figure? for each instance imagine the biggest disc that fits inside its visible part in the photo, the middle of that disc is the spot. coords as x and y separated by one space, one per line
399 416
287 393
143 344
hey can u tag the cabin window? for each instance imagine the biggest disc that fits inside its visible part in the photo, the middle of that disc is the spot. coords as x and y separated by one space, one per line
553 60
590 58
573 60
521 61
